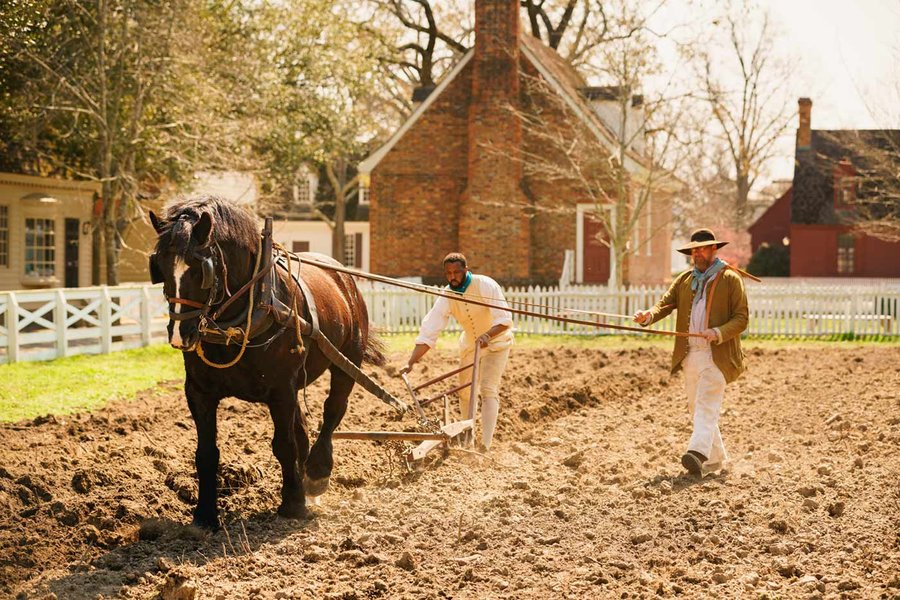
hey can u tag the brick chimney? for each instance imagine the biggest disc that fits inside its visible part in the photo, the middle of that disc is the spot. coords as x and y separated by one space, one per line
804 131
494 229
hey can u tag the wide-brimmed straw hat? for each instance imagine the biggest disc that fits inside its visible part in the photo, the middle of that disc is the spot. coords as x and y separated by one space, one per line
700 238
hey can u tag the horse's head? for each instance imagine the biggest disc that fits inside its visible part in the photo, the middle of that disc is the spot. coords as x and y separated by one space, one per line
187 261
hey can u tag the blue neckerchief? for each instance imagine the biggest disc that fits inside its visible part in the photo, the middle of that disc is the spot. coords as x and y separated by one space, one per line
465 284
699 279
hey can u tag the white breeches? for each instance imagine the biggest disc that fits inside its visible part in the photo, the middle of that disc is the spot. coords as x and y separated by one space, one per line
490 372
705 391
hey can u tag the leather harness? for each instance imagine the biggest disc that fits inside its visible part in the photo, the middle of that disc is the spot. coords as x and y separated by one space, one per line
268 310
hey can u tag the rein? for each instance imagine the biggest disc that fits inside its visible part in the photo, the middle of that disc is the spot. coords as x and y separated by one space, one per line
203 320
453 296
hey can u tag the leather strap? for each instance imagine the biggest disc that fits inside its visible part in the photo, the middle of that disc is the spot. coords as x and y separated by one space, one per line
344 364
309 301
259 275
709 297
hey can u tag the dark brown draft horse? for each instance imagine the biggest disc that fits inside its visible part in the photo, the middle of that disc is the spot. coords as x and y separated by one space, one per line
205 255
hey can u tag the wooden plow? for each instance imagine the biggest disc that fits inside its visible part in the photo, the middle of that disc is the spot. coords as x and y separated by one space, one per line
443 431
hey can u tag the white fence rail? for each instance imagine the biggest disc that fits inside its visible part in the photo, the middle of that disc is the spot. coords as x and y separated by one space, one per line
777 310
47 324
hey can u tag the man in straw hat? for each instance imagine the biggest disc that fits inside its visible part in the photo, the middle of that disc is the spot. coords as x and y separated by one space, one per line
711 301
489 327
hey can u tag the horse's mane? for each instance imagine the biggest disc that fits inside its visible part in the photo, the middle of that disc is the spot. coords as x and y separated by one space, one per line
232 223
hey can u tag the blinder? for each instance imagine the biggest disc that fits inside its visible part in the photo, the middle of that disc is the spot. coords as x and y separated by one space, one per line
156 275
208 270
208 281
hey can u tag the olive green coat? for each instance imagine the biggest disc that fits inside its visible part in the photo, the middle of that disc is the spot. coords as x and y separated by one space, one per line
726 311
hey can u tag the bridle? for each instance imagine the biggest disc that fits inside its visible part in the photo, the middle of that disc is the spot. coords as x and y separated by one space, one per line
263 307
209 265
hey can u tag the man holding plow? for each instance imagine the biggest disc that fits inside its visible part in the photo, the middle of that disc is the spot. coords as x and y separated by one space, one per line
710 300
489 327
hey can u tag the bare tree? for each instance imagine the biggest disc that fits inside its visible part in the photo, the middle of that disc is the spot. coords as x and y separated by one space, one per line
578 29
877 161
862 167
745 87
421 38
111 95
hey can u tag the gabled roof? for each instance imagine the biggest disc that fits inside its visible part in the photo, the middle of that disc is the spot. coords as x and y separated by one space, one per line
372 161
872 152
561 76
566 81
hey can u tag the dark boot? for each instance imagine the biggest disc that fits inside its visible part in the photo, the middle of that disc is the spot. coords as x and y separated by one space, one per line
693 462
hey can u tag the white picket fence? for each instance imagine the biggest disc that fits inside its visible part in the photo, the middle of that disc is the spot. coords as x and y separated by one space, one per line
47 324
781 309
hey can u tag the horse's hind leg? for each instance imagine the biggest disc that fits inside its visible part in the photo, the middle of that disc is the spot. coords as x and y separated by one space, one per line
320 461
285 445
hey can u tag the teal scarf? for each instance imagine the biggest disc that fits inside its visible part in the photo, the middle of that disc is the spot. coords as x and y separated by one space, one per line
465 284
699 279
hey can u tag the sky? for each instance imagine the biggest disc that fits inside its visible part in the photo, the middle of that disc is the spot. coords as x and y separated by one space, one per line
848 52
847 57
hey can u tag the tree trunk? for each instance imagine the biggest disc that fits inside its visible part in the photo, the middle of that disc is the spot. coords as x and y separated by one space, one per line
96 241
740 205
109 235
337 175
337 238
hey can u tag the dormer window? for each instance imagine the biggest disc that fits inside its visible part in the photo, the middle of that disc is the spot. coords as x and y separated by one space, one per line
305 187
845 183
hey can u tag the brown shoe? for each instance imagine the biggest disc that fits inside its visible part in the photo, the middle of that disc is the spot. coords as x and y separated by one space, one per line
693 462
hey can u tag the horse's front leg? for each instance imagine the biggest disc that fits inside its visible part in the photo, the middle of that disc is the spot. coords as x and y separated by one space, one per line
286 445
320 461
203 410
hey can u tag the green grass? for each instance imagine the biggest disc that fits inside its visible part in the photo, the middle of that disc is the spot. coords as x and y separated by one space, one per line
66 385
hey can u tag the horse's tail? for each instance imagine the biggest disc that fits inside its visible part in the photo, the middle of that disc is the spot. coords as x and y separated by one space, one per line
374 353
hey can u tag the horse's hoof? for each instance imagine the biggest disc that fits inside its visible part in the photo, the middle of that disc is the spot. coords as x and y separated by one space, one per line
206 522
313 500
315 487
294 510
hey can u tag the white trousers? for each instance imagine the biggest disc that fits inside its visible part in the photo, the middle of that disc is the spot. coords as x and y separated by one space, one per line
491 367
705 391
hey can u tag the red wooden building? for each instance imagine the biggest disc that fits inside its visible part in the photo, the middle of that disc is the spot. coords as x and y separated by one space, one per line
818 215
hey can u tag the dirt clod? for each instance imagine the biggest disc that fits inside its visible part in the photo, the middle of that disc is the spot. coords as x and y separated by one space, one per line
582 494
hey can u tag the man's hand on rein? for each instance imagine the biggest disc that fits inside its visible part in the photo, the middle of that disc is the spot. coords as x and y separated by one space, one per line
642 317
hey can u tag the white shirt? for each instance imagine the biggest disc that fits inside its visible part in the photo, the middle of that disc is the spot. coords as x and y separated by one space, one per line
698 319
473 318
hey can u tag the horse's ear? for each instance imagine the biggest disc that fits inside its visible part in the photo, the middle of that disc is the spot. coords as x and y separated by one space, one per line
157 224
202 230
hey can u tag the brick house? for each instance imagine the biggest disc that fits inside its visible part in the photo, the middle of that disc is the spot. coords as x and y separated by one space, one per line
816 216
436 186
